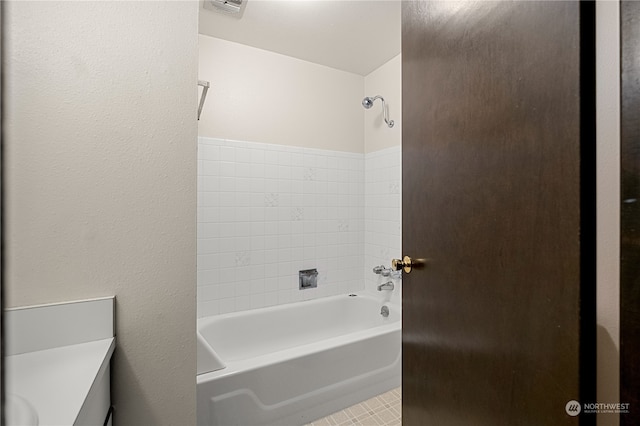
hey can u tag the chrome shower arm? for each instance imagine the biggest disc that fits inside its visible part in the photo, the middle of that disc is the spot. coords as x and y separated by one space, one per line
385 115
368 103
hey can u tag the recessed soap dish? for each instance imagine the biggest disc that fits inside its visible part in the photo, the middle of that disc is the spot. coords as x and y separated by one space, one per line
308 278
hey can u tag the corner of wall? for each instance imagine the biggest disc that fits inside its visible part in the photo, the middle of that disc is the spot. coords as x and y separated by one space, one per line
387 82
608 208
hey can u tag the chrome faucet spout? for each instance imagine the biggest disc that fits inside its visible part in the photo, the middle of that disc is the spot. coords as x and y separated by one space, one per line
386 286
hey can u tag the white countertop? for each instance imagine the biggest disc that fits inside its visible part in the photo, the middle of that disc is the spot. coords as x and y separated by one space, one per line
57 381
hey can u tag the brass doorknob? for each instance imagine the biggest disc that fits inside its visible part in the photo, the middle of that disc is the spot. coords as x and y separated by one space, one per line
404 264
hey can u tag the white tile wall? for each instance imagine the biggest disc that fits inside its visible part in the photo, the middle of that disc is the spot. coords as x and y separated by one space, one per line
267 211
382 213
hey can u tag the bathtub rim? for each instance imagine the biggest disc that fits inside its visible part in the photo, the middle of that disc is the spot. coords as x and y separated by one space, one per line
361 294
249 364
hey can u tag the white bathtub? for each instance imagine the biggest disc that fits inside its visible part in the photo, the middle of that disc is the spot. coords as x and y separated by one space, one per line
292 364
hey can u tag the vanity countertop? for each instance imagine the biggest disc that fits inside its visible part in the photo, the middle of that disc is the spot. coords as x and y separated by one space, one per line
57 381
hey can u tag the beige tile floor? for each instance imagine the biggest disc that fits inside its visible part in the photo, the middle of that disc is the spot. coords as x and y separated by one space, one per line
381 410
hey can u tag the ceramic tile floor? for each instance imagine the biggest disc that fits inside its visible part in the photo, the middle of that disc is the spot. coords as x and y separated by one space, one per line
381 410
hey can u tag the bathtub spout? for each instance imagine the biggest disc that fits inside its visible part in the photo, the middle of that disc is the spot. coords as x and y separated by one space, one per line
386 286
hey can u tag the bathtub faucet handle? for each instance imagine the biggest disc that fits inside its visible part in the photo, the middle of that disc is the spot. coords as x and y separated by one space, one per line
378 269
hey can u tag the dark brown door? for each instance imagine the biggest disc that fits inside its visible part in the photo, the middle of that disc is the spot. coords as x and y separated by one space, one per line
498 326
630 214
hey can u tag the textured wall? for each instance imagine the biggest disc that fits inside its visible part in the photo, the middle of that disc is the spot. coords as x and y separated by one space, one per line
261 96
101 182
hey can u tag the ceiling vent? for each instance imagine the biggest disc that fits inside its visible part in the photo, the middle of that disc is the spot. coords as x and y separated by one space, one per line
233 8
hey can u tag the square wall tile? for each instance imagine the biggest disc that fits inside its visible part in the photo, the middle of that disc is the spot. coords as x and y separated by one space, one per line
266 211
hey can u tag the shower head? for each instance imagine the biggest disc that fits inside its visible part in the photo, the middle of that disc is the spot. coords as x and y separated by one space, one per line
367 103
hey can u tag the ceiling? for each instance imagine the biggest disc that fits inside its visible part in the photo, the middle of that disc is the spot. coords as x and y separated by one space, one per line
351 35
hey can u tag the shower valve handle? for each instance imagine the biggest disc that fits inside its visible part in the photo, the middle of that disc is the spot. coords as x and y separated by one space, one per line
404 264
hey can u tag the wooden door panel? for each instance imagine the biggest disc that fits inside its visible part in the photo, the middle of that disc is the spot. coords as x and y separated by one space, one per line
630 213
491 198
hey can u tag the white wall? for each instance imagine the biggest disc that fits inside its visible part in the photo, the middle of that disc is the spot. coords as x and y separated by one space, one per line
101 182
608 196
261 96
387 82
